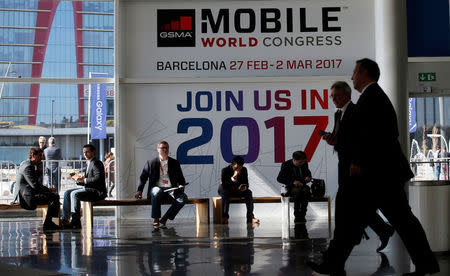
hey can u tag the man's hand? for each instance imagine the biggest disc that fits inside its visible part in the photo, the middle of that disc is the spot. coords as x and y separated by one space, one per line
307 179
330 139
78 178
237 172
355 170
242 187
297 183
138 195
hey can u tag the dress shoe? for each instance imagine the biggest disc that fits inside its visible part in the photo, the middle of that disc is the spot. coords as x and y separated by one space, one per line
48 226
162 222
423 271
64 222
385 238
299 220
321 268
74 224
324 268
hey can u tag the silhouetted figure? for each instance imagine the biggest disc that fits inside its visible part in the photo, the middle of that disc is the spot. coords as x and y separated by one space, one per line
31 191
234 183
294 174
341 140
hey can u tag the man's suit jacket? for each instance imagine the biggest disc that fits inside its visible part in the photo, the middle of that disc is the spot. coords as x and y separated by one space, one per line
286 175
228 184
53 153
375 138
95 178
151 173
29 185
344 144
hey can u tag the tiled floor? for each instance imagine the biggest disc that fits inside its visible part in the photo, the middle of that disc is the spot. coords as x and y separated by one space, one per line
134 248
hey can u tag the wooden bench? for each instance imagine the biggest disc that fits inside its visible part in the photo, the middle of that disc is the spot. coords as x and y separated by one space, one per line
201 204
17 207
217 205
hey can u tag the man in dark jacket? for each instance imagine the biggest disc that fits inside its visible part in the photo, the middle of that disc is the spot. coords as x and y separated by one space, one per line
235 184
94 188
341 139
31 191
378 181
294 174
165 180
52 155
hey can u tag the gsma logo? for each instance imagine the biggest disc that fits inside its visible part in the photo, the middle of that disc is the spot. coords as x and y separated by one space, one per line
176 28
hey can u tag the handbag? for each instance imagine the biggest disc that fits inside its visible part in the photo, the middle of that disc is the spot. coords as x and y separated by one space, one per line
318 187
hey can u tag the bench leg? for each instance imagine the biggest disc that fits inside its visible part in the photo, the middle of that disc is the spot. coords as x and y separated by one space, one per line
329 216
217 210
285 217
202 212
44 214
88 215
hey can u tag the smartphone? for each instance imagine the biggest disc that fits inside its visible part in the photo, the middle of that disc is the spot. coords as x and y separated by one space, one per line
322 133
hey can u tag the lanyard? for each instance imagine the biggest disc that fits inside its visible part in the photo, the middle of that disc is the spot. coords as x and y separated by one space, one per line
162 170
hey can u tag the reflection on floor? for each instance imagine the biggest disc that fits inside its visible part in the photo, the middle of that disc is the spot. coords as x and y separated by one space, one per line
134 248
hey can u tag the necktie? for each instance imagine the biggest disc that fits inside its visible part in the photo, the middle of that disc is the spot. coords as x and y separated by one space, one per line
337 121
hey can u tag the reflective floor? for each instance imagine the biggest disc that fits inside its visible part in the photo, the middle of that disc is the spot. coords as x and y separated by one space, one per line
134 248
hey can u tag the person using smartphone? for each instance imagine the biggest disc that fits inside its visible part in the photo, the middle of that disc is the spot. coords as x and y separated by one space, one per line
235 184
92 188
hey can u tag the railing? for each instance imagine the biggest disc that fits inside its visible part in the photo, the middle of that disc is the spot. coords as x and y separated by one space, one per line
7 176
436 169
55 174
110 178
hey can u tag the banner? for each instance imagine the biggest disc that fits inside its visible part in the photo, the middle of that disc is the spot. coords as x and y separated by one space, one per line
250 38
98 107
412 115
207 124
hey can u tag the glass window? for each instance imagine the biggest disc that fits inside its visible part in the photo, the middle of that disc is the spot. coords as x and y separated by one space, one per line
430 139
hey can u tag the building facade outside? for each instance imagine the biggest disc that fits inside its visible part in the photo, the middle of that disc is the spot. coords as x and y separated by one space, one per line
58 40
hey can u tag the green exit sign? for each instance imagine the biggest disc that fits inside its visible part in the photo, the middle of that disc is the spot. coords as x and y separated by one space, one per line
427 76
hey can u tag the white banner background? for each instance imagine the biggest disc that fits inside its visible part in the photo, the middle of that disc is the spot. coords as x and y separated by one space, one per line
354 18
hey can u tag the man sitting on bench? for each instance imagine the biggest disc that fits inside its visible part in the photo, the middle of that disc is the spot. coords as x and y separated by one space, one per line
294 174
94 189
31 191
165 180
235 184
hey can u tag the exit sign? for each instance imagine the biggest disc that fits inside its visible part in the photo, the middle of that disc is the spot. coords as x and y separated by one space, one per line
427 76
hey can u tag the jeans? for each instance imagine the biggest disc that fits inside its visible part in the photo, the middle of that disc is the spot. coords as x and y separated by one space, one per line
247 195
72 202
157 197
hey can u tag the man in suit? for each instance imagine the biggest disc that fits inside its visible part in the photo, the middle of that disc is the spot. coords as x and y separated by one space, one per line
31 191
379 170
94 188
53 152
235 184
163 173
341 138
294 174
